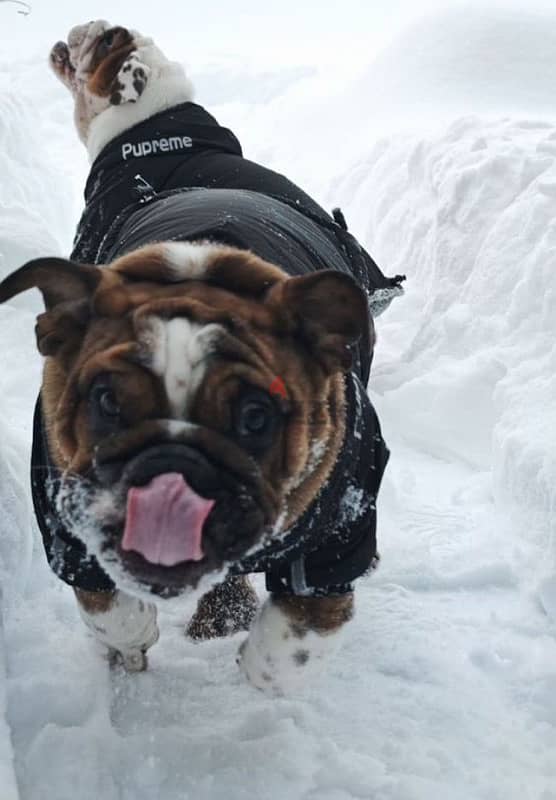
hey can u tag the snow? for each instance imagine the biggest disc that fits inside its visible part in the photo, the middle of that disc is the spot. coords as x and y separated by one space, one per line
465 60
445 684
475 204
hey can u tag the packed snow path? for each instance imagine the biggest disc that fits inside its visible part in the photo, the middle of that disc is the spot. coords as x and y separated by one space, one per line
446 683
444 687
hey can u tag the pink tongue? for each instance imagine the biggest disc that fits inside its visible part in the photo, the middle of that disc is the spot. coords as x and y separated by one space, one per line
164 521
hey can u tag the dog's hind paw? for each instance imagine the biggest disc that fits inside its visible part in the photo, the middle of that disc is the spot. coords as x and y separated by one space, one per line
130 81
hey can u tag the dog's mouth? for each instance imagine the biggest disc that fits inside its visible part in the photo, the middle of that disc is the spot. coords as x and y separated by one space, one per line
164 521
172 536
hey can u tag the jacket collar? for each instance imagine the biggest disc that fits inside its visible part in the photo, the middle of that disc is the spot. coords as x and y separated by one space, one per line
177 131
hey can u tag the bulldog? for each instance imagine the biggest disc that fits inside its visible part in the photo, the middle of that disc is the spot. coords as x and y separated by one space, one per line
203 412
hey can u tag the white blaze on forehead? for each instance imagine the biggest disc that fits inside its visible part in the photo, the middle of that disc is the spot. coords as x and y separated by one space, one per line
179 350
190 260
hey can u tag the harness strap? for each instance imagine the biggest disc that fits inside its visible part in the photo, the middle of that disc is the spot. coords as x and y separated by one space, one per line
294 581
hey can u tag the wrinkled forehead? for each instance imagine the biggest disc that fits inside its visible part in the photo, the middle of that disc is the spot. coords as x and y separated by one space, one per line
158 366
82 40
175 354
171 309
88 31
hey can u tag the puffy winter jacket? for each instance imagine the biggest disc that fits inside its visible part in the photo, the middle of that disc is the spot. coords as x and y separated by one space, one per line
181 176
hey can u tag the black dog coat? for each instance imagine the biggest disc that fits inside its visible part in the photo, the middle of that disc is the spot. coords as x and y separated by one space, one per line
180 176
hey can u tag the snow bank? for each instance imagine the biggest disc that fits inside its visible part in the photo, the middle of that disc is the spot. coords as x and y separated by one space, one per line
33 221
40 167
25 198
469 215
457 62
8 787
36 202
15 521
471 59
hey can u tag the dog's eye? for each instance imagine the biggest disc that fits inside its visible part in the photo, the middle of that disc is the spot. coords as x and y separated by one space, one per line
108 404
108 38
256 420
104 409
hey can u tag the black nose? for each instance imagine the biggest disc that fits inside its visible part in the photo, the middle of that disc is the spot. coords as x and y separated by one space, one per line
200 474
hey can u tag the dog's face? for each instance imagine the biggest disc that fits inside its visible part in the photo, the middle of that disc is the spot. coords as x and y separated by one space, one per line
193 397
97 64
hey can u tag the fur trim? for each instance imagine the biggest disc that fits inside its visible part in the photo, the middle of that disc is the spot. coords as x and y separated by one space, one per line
168 86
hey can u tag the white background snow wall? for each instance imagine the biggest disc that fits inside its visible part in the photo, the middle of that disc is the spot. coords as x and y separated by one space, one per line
470 216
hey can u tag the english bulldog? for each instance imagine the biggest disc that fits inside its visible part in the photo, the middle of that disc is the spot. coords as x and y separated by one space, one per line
203 412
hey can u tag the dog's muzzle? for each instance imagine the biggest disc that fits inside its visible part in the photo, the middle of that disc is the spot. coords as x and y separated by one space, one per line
188 512
159 459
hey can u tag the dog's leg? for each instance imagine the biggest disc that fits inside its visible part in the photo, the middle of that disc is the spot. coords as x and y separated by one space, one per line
125 624
228 608
291 639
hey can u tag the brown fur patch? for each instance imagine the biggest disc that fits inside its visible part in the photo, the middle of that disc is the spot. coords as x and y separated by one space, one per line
319 614
228 608
243 273
148 263
107 61
95 602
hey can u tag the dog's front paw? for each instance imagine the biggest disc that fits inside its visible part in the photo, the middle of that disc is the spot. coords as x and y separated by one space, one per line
229 607
130 81
278 656
125 625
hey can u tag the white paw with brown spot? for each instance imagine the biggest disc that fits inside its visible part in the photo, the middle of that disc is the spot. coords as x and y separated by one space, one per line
127 628
278 656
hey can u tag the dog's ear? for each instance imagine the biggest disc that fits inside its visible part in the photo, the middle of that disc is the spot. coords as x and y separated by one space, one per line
59 281
67 289
328 311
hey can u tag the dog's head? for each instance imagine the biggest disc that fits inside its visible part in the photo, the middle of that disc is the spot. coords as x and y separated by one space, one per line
108 68
193 397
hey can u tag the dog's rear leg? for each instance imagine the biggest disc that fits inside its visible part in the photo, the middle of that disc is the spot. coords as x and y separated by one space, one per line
292 639
126 625
228 608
